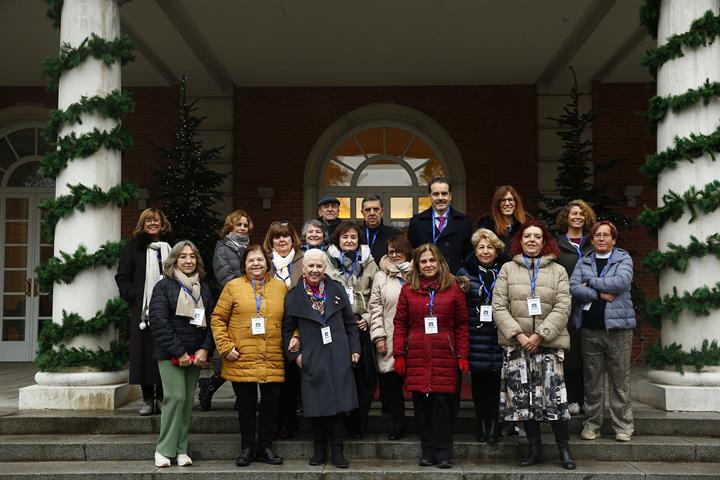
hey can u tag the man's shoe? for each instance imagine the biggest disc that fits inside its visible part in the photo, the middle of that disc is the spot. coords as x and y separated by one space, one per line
245 458
589 434
444 464
622 437
267 455
427 462
147 408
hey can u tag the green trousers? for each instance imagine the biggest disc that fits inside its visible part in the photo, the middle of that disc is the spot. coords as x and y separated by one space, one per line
179 386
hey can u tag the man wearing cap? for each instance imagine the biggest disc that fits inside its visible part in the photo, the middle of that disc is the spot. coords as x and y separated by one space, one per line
442 225
328 211
376 232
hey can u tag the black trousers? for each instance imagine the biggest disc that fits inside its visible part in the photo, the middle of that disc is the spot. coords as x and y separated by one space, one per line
328 429
287 413
150 391
391 394
246 403
434 416
575 385
486 394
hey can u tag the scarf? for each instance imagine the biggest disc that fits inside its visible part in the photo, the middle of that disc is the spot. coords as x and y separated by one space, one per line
283 266
315 294
350 264
236 241
155 255
429 284
186 304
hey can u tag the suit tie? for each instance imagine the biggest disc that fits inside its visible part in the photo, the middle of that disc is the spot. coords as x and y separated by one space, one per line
441 223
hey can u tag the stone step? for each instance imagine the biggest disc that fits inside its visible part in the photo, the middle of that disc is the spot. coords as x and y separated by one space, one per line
49 448
360 470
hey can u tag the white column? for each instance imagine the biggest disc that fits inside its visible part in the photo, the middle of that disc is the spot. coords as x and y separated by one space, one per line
80 388
674 78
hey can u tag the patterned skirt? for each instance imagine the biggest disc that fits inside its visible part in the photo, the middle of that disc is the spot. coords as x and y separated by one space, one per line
532 386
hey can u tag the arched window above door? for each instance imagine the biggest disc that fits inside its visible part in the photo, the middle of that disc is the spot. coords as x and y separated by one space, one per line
20 153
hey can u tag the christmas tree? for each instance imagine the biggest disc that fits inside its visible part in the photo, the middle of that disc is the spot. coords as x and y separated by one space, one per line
188 187
577 171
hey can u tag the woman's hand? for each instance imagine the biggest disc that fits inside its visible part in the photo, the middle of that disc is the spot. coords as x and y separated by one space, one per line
294 345
608 297
522 340
361 323
298 360
200 356
355 358
184 360
533 343
233 355
381 346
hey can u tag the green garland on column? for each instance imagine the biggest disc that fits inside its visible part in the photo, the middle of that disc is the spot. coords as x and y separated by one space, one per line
703 300
53 355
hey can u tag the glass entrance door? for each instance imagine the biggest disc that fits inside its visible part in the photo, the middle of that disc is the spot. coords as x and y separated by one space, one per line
22 307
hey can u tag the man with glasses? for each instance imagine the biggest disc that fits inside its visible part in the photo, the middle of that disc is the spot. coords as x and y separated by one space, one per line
442 225
376 232
328 214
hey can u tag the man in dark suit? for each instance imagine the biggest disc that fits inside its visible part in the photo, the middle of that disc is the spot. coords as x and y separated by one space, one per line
442 225
328 212
376 232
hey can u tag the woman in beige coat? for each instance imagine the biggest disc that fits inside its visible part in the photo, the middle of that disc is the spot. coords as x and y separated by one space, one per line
531 305
383 301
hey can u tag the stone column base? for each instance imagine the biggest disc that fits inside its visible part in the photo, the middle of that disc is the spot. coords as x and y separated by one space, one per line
95 397
678 398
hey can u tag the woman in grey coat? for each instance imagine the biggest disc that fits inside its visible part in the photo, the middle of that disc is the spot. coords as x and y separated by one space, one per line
600 286
319 312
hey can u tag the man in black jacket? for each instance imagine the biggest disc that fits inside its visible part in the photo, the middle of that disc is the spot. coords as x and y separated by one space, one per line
442 225
376 232
328 214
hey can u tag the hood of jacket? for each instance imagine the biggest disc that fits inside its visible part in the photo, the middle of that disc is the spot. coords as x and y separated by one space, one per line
392 270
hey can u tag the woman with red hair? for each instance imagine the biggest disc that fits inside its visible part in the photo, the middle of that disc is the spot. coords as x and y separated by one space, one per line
531 305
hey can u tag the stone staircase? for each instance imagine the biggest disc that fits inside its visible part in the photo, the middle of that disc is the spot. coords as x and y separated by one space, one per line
120 444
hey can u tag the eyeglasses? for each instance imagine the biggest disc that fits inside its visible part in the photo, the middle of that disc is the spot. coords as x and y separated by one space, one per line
284 223
602 235
394 253
507 200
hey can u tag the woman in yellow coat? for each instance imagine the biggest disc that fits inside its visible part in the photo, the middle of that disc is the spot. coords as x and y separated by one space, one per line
247 326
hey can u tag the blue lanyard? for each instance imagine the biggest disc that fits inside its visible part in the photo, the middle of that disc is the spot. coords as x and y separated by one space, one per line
352 267
488 293
604 271
258 299
432 300
533 276
186 290
577 247
435 232
367 235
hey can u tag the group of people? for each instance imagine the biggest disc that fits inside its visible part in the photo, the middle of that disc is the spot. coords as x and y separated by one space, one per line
321 319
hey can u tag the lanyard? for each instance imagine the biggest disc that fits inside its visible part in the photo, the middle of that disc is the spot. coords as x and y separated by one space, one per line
324 299
435 232
533 276
189 292
488 293
352 267
258 299
577 247
432 300
604 271
367 235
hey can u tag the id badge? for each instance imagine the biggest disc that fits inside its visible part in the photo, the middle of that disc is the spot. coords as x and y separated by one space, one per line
587 306
486 313
431 326
198 317
258 325
350 294
534 306
326 335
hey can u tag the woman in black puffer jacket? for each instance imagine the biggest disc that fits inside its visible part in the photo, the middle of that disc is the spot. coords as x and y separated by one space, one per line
486 356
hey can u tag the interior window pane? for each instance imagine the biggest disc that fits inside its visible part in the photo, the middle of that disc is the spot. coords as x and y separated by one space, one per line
431 170
14 281
16 232
28 175
349 148
14 306
384 173
15 257
401 207
45 253
337 175
45 305
358 208
396 140
23 142
13 330
344 207
7 157
16 209
371 141
423 204
42 145
419 149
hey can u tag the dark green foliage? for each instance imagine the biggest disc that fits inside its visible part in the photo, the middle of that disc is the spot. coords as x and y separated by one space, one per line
678 257
696 201
688 148
103 360
65 269
701 301
659 106
650 15
657 356
188 187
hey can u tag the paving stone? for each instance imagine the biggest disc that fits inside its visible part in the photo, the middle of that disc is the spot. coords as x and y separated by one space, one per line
77 470
678 471
551 470
706 449
26 448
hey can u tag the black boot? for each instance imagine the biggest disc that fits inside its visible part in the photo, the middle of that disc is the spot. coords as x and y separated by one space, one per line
480 434
267 455
337 457
397 428
208 387
336 431
535 455
562 438
317 426
492 431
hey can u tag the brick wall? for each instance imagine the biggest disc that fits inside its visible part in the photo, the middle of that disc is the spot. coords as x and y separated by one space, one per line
621 133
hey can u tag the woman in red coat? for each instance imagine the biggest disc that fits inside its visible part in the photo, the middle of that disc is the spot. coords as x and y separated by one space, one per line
430 344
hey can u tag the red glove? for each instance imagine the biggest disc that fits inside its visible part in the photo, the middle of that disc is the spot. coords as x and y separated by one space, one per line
400 366
463 365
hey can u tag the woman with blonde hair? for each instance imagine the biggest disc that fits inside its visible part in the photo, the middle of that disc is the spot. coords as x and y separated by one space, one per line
507 213
139 269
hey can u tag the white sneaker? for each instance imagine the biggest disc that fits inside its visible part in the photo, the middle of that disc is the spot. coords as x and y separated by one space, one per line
588 434
574 409
161 460
622 437
183 460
